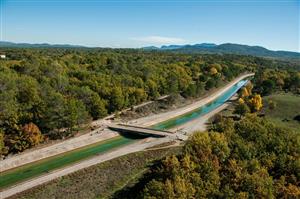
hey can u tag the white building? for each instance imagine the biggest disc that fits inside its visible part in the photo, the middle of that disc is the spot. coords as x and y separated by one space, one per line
2 56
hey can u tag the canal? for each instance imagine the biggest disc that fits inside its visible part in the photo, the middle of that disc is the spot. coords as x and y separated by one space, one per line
44 166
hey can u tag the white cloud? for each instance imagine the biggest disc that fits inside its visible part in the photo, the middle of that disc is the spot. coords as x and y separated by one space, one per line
159 40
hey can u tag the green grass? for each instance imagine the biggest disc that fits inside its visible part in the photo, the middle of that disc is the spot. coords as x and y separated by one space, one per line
44 166
101 180
288 106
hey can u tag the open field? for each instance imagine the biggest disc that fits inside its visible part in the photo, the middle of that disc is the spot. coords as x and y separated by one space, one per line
100 180
288 106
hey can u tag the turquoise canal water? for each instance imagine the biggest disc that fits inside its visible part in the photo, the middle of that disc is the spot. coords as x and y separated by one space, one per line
201 110
44 166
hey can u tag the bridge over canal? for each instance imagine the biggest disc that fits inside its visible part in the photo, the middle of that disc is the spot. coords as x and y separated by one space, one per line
146 131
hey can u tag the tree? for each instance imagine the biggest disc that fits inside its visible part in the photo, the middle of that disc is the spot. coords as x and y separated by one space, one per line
116 99
95 105
152 89
29 97
255 103
3 148
241 109
244 93
210 84
213 71
267 87
75 114
272 104
32 134
52 111
249 87
191 91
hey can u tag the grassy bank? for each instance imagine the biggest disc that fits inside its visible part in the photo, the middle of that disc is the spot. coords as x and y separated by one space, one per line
99 181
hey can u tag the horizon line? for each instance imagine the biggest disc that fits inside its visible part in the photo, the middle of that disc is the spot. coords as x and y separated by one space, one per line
157 46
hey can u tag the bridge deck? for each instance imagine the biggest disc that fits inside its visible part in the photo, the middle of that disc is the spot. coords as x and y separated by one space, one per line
140 130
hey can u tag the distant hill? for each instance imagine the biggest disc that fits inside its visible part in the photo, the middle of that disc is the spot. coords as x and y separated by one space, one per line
6 44
228 48
174 47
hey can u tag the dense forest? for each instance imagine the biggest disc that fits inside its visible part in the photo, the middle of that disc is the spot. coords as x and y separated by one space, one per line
47 93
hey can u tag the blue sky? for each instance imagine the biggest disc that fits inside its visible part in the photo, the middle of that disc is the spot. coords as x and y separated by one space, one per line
131 23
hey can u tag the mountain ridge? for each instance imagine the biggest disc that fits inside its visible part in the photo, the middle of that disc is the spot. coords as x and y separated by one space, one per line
229 48
225 48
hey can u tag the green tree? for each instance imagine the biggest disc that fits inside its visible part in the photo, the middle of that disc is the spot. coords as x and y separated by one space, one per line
210 84
272 105
75 114
116 99
268 87
241 109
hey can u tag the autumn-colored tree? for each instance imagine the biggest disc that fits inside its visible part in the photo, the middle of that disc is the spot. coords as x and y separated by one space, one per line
32 134
244 92
3 148
249 87
255 103
217 66
213 71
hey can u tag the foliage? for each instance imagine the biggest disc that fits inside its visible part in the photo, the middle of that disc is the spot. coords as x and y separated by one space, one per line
250 158
3 149
272 105
60 89
244 93
32 134
255 103
241 109
269 80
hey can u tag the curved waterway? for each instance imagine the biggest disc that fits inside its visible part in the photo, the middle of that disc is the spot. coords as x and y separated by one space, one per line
44 166
177 121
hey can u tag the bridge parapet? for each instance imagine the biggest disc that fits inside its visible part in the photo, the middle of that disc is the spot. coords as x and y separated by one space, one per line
140 130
